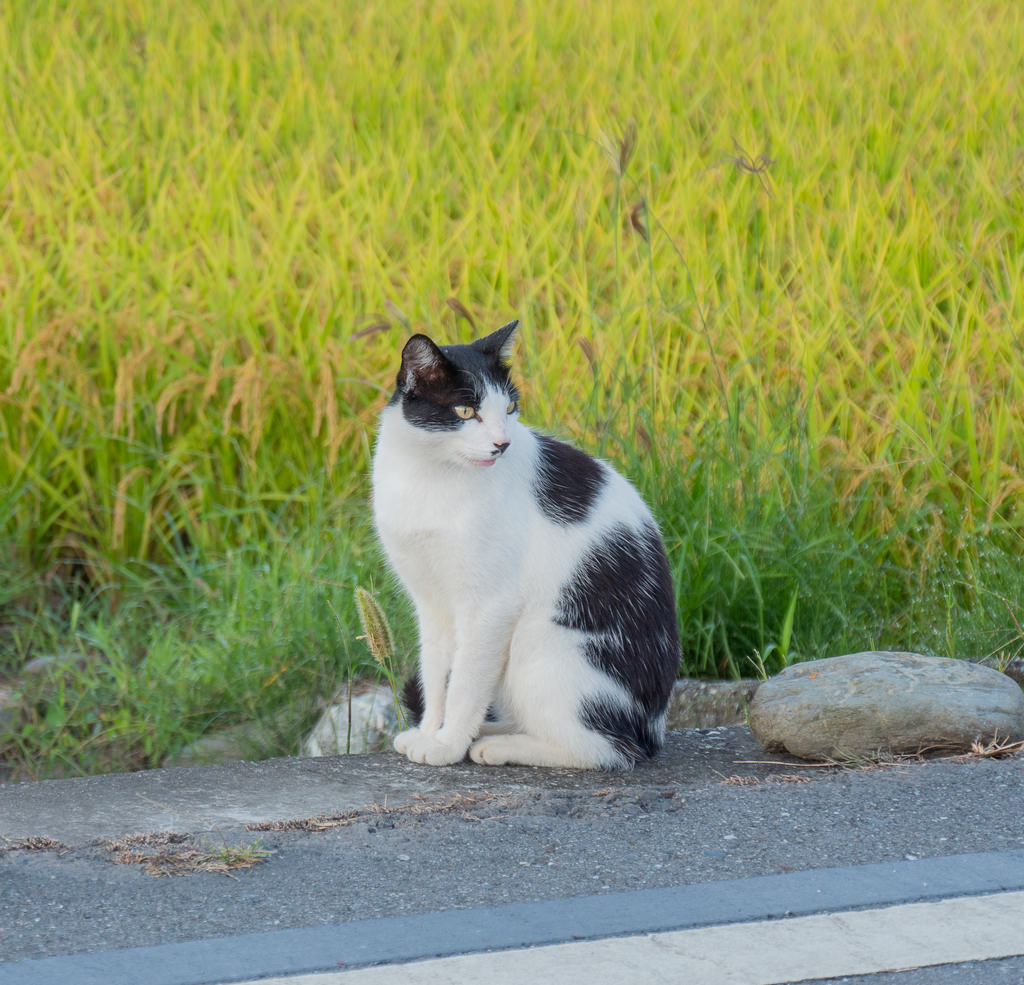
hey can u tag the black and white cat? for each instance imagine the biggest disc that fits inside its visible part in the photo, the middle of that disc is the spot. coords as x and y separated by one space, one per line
538 575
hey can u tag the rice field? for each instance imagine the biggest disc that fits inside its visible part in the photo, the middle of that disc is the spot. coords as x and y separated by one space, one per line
768 259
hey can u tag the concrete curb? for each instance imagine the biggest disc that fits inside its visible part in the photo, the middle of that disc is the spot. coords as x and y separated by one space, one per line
203 798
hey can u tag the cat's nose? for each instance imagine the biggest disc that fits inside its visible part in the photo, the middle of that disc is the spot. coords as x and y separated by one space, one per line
500 446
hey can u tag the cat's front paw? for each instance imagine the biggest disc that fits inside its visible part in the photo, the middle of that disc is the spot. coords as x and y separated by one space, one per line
493 750
431 750
403 739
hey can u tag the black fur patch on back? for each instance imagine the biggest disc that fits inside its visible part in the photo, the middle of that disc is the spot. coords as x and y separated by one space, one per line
621 596
568 481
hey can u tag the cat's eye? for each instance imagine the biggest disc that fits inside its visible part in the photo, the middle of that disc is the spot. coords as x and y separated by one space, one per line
464 412
512 407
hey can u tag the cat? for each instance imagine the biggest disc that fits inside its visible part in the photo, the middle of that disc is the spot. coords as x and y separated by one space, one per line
546 611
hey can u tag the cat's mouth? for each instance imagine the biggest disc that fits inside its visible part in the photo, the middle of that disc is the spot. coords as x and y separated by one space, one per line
500 447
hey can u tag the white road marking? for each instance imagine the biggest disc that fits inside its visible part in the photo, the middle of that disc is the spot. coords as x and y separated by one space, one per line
767 952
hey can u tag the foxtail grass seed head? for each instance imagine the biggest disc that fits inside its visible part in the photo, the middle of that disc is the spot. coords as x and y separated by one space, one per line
376 629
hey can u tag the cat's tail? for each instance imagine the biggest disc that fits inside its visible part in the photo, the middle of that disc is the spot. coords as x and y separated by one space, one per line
412 698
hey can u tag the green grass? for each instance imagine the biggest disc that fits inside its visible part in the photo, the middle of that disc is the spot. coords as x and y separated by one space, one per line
257 635
768 262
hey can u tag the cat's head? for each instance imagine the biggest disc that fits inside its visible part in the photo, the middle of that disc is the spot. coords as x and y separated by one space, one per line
460 396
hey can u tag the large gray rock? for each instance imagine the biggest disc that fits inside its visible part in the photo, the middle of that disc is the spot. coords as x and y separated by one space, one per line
866 705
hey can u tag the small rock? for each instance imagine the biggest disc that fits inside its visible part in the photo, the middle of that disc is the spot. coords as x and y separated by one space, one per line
1014 669
10 709
374 723
864 705
707 704
251 740
239 742
47 663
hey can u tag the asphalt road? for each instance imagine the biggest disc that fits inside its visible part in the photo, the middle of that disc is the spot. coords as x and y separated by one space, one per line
711 820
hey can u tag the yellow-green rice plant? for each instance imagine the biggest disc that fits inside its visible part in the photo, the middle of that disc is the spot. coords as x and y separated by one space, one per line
790 231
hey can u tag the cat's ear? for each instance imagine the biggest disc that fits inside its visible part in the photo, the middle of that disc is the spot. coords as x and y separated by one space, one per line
498 345
423 365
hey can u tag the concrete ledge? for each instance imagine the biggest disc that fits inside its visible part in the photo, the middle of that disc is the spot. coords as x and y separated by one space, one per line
201 798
